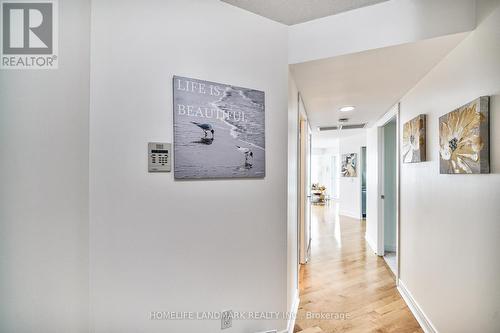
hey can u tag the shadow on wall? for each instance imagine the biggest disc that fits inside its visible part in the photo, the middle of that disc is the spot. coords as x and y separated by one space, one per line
494 135
484 9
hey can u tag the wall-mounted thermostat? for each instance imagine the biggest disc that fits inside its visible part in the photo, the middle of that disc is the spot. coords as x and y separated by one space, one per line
159 157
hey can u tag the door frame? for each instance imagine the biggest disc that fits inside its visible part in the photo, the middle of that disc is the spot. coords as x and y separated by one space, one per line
303 190
304 179
362 167
388 117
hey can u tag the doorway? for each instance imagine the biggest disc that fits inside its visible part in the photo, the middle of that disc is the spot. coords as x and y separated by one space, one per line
324 172
389 195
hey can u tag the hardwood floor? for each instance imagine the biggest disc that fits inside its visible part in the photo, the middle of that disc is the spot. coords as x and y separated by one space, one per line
348 282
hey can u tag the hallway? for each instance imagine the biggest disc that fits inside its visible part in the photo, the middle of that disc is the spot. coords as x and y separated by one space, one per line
347 281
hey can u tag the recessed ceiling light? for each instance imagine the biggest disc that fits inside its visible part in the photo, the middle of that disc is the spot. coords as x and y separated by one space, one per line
347 108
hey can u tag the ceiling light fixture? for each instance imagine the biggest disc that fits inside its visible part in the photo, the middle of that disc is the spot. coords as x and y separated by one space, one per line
347 108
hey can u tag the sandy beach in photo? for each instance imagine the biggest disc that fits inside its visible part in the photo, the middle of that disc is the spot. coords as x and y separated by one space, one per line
203 159
236 116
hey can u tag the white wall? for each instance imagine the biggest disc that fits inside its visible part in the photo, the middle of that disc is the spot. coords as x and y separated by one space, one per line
164 245
450 226
350 187
292 202
381 25
44 186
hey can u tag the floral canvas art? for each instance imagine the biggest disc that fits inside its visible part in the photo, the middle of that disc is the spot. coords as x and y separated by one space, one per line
414 146
349 165
464 139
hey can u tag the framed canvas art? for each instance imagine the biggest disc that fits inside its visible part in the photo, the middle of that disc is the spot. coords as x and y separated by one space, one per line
349 166
219 130
414 145
464 139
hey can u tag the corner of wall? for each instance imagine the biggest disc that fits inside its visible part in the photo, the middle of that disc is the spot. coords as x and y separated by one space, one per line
415 308
371 243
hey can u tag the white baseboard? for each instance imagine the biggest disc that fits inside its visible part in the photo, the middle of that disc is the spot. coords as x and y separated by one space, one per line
293 314
422 319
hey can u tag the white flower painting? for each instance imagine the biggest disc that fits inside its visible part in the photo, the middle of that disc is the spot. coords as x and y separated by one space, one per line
464 139
414 145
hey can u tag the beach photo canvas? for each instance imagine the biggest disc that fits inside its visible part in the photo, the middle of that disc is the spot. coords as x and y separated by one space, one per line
464 139
219 130
349 165
414 145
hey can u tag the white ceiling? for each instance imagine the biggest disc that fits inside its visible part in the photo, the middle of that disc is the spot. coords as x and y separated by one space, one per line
291 12
373 81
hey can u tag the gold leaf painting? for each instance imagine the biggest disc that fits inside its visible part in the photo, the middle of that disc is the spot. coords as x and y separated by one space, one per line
414 145
464 139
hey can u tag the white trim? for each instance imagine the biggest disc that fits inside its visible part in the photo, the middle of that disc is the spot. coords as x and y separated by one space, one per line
387 117
422 319
304 170
293 314
398 191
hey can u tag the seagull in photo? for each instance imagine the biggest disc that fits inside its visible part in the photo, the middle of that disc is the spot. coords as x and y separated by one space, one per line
205 127
245 151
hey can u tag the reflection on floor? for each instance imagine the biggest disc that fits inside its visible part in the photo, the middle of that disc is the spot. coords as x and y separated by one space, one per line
345 287
390 259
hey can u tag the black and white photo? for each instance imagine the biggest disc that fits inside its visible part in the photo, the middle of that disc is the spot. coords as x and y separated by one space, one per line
219 130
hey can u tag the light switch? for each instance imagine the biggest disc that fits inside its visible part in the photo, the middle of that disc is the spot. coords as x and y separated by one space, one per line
159 157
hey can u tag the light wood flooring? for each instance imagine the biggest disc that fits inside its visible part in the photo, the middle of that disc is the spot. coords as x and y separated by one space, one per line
344 278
